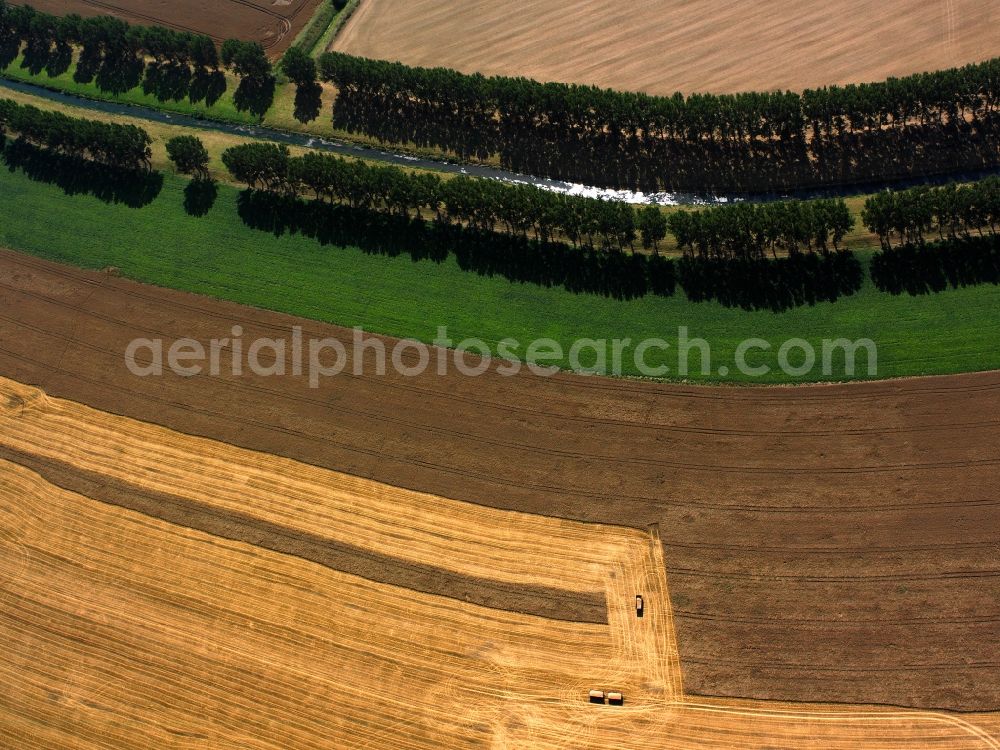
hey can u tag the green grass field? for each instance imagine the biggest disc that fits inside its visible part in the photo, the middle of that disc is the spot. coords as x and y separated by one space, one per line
217 255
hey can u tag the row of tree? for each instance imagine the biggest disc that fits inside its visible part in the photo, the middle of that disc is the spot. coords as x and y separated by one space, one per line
487 205
257 83
750 142
517 258
747 231
113 53
300 68
125 147
737 231
117 57
751 284
950 211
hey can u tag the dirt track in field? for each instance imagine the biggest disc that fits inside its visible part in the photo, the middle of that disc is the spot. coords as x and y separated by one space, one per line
823 544
273 24
663 46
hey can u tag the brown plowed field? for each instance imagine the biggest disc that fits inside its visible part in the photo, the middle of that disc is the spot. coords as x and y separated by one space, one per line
272 23
823 543
663 46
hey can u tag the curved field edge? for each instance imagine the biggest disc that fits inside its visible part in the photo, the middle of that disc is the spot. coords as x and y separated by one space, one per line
216 255
670 45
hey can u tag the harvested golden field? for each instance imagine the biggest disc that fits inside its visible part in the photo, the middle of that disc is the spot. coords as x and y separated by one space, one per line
663 46
122 629
828 544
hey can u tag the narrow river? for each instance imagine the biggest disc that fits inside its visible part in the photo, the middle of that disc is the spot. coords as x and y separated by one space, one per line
474 170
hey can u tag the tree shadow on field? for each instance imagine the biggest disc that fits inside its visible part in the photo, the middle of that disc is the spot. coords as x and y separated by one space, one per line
60 60
515 258
77 176
10 47
40 55
308 102
119 72
87 65
207 86
255 95
774 285
167 81
199 196
932 268
36 56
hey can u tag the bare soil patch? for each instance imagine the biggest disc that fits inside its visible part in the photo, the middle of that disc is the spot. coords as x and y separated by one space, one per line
679 45
822 544
273 24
